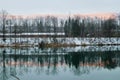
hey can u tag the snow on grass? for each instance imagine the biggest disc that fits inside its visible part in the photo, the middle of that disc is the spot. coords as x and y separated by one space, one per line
77 41
47 51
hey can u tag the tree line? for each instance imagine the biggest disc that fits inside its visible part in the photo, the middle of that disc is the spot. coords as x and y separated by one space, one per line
72 26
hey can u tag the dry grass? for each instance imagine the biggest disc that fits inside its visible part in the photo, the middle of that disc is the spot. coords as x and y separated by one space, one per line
1 45
59 45
16 45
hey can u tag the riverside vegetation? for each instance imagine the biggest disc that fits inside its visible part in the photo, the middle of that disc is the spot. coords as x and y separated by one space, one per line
49 26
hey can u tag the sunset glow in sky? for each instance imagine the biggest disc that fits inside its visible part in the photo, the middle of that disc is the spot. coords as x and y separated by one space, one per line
59 6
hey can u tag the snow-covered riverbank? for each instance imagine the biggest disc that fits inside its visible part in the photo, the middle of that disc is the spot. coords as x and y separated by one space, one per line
76 41
57 51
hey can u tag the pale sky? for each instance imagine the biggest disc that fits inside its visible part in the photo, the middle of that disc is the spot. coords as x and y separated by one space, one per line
59 6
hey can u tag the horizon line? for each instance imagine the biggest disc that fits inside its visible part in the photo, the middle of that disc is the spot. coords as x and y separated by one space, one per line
62 15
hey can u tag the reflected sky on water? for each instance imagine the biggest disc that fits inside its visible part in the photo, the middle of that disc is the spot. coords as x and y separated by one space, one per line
58 64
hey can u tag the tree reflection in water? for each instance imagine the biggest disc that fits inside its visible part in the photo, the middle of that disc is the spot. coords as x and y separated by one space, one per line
3 70
18 63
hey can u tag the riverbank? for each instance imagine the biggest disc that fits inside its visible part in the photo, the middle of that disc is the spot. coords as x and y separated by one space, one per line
58 42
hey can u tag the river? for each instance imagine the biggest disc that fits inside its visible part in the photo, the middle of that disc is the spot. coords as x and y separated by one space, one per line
60 63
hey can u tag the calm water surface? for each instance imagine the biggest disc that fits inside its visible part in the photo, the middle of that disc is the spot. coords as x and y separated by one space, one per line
58 64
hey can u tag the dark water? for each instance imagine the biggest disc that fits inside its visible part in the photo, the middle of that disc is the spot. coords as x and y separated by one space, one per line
58 64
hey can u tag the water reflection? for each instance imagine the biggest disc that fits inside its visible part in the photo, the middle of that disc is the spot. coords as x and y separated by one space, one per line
18 63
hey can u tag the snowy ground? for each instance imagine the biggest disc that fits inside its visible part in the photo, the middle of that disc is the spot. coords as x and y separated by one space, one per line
50 51
77 41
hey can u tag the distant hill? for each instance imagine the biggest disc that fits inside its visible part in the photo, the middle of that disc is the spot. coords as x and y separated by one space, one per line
91 15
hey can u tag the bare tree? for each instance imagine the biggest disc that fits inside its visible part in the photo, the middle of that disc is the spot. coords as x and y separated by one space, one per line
48 24
55 26
10 22
3 16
